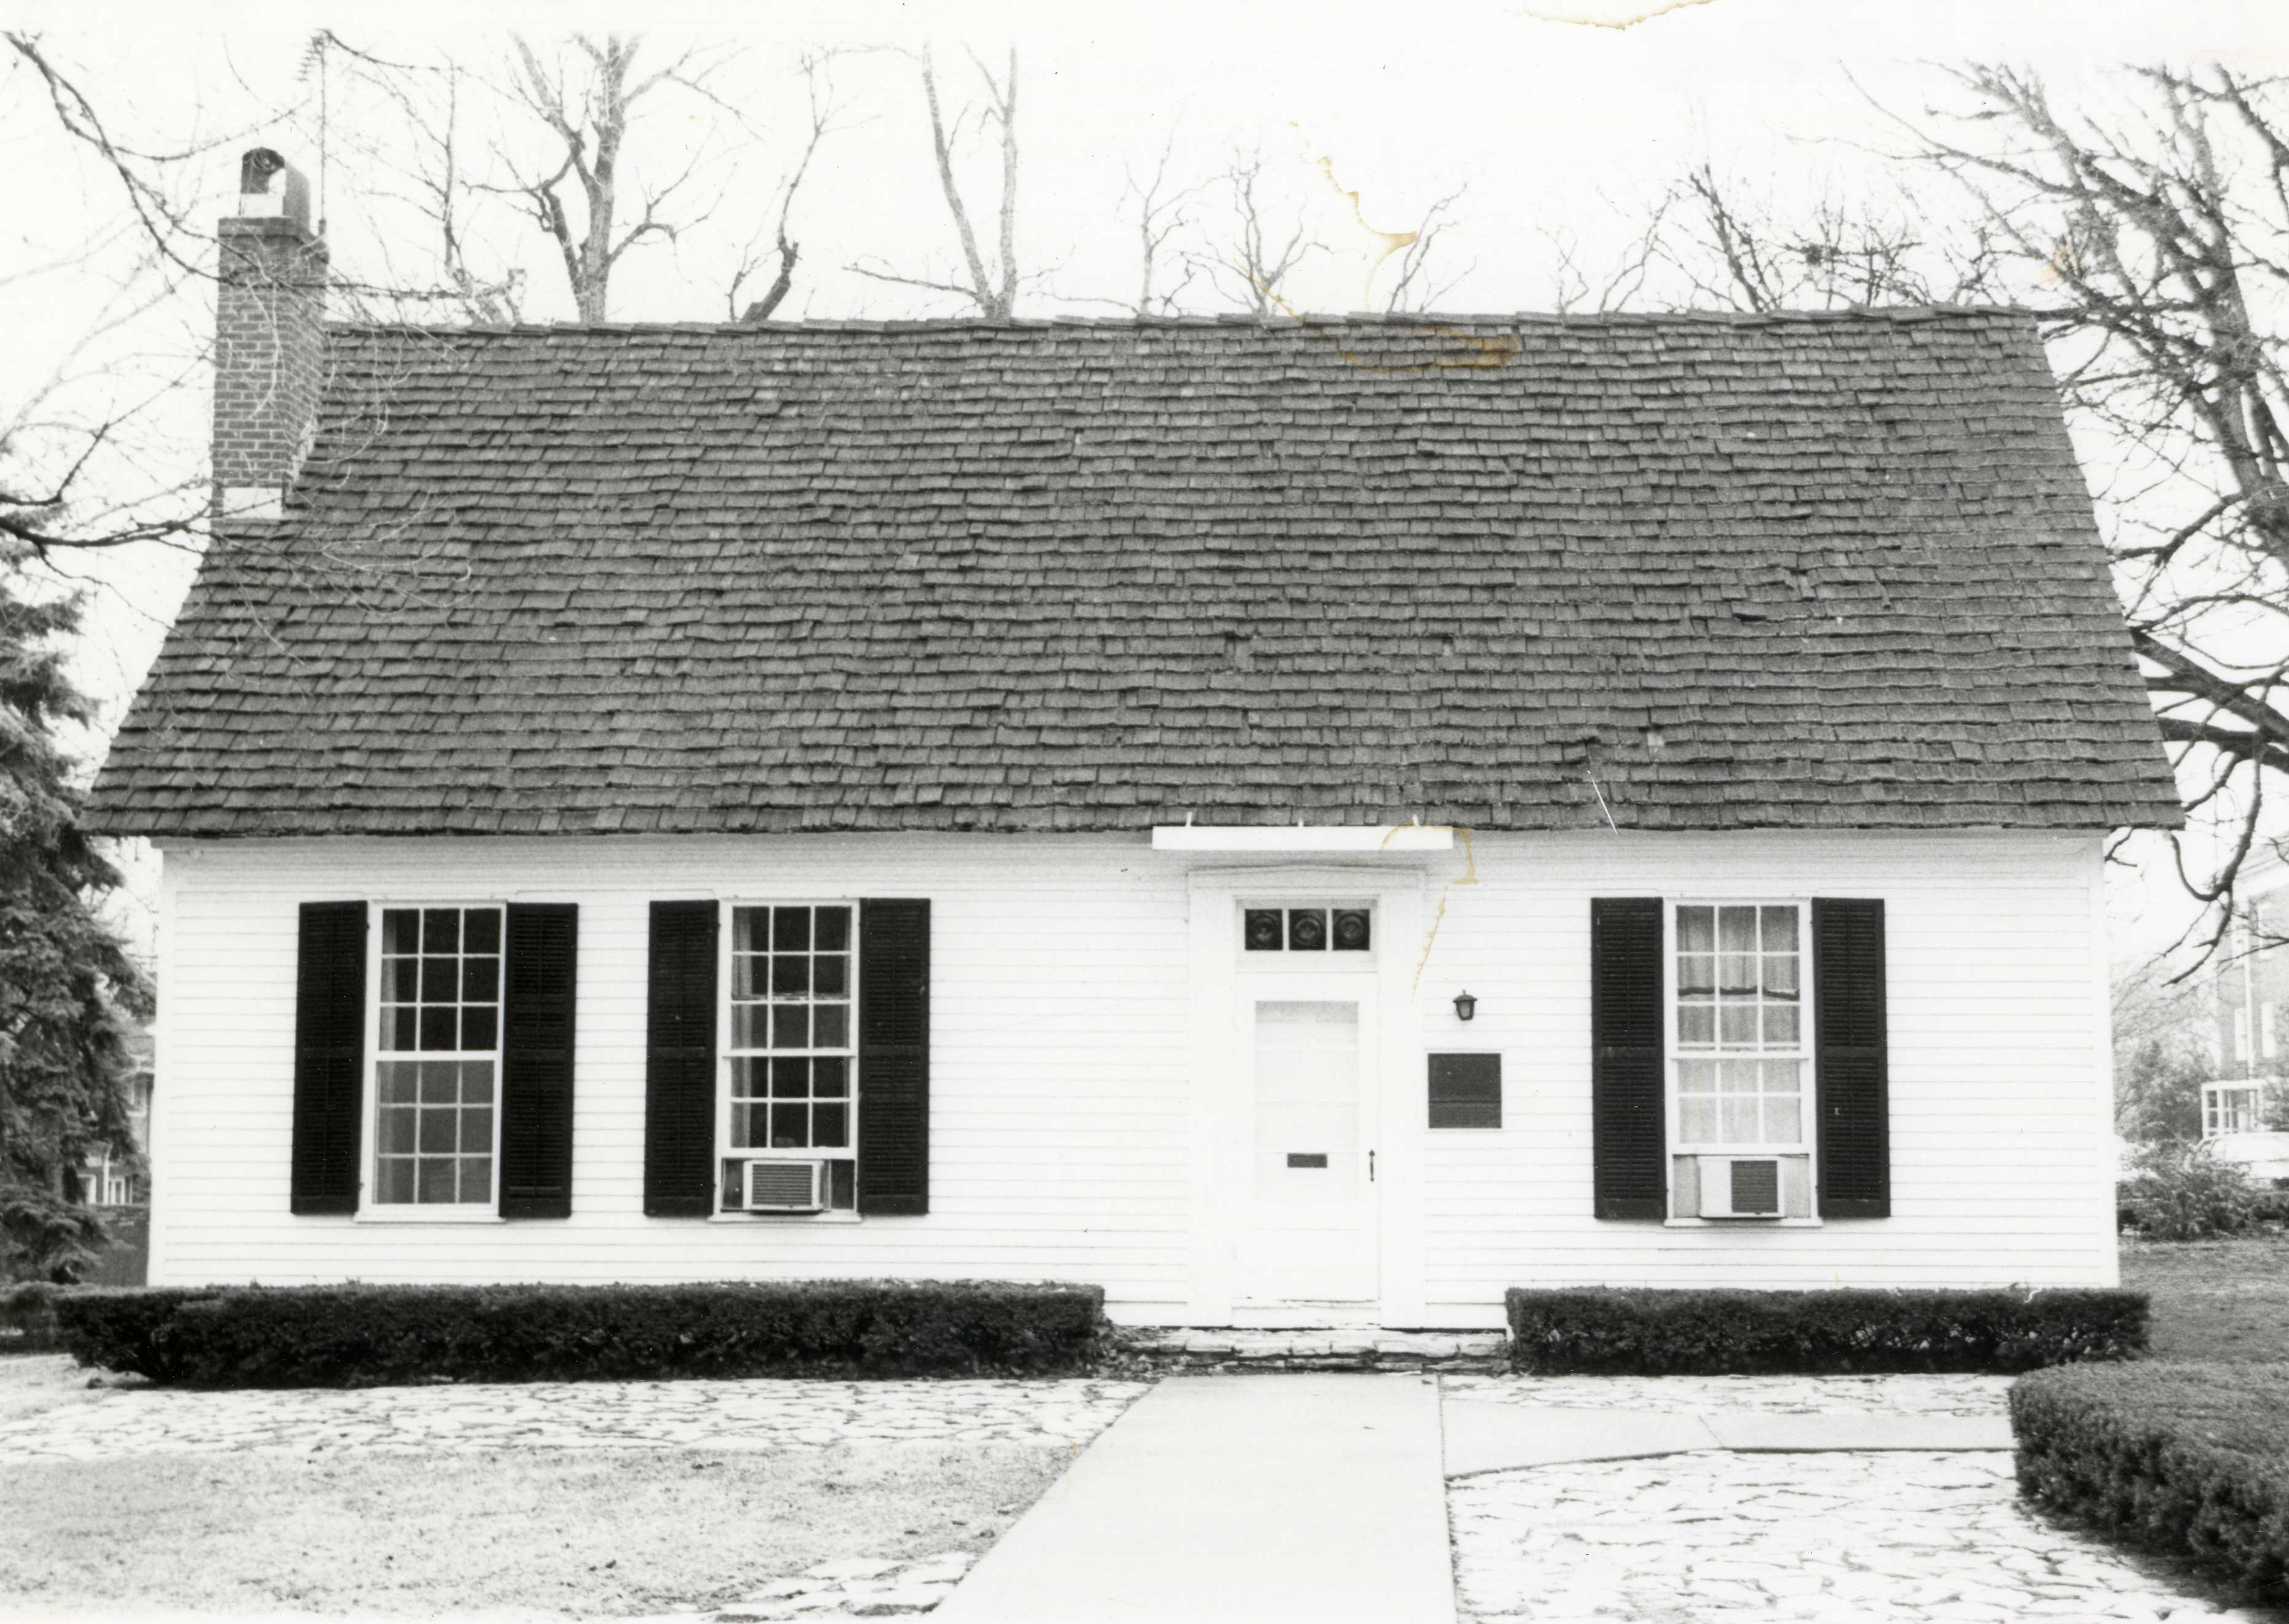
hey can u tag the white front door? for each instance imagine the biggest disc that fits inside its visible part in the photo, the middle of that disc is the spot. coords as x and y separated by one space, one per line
1305 1241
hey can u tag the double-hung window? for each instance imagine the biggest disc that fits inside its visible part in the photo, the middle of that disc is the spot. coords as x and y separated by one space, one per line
2231 1108
436 1067
1741 1067
791 1044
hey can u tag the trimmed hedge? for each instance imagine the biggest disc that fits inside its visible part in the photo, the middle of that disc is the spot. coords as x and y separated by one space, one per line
2189 1458
1617 1331
27 1317
375 1335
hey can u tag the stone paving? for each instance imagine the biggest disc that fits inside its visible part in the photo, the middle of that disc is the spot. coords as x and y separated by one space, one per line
113 1421
853 1587
1762 1395
1830 1539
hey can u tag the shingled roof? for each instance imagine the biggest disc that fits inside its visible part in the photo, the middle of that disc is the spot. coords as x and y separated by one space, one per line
1805 571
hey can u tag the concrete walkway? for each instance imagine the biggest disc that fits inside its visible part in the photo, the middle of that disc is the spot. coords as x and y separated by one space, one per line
1236 1500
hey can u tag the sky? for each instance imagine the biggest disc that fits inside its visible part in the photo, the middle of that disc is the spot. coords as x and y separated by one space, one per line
1558 124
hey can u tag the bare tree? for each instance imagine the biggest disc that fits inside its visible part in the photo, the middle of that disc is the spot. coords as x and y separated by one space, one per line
818 97
991 285
1251 264
590 122
1159 216
2154 247
1416 287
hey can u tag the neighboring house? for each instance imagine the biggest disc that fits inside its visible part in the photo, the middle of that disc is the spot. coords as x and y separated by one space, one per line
1294 823
111 1179
2243 1114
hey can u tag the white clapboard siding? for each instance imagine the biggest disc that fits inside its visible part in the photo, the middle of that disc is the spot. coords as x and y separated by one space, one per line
1061 1112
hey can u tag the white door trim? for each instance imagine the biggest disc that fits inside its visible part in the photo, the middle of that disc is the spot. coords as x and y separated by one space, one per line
1219 1090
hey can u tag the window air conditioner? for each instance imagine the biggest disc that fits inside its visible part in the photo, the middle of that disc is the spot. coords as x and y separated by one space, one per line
1740 1187
783 1187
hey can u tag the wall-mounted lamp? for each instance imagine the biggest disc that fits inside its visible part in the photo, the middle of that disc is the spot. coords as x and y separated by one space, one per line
1466 1005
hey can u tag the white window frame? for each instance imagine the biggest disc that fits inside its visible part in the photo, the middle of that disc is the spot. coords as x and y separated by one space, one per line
2214 1106
727 908
370 1208
1806 1053
1287 960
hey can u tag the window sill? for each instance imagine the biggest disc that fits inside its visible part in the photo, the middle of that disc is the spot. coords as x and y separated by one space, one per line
1743 1223
421 1217
786 1218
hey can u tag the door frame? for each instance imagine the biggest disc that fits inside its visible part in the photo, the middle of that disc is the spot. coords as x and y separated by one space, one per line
1221 1101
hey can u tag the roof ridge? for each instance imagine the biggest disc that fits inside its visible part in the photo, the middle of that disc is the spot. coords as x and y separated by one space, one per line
1429 320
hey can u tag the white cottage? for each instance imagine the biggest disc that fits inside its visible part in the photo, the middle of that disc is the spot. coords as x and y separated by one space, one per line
1296 822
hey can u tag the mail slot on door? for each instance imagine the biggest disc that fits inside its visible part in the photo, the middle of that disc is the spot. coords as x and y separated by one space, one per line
1307 1159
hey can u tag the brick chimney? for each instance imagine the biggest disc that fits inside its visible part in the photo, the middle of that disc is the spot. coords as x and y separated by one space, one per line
270 343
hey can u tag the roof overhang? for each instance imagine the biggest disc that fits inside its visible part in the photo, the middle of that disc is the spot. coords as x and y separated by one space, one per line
1365 839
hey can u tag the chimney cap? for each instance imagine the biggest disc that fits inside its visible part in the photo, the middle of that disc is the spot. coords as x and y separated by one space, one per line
269 187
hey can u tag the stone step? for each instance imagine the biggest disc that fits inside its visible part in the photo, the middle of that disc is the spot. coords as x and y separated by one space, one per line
1227 1348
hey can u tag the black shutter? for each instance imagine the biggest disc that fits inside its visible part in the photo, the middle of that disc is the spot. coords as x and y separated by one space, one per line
1851 1067
680 1062
894 954
536 1129
1627 1105
329 1057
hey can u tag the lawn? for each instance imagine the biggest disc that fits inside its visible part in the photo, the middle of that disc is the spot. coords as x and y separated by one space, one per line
2226 1299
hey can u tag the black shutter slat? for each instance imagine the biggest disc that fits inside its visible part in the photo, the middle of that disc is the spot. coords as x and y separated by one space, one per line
680 1062
537 1033
1851 1068
1628 1111
894 959
328 1058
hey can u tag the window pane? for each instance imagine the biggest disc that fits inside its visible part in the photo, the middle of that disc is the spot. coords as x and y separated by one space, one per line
437 1028
1696 976
397 1124
437 1133
831 1026
1782 1075
1780 1025
833 930
476 1082
1696 1120
480 981
1696 1076
830 1126
1736 975
477 1130
434 1181
396 1080
439 1085
749 1076
1307 930
790 977
830 1077
440 931
1737 1024
1780 930
480 1028
401 930
396 1182
748 1123
401 980
441 980
791 930
399 1028
790 1026
790 1078
750 975
790 1127
843 1185
477 1178
1696 1023
1736 930
750 930
1738 1076
1260 930
1696 932
830 976
1780 977
1351 930
480 931
749 1026
1740 1119
1783 1123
